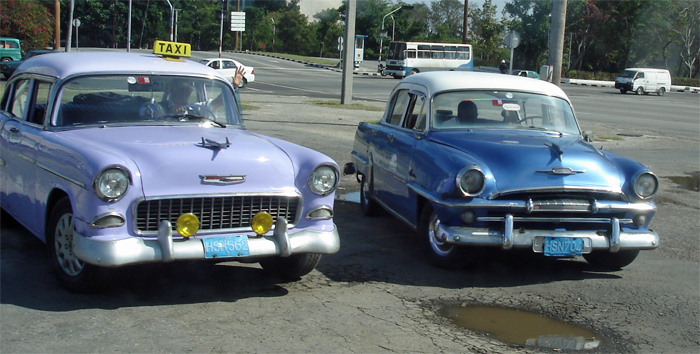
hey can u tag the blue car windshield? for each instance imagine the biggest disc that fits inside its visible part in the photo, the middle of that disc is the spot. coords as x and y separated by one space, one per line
502 110
144 99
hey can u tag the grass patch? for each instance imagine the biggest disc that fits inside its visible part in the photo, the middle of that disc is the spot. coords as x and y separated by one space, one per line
353 106
608 137
249 107
301 58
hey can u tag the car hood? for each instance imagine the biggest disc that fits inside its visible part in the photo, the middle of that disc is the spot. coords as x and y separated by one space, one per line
537 160
172 159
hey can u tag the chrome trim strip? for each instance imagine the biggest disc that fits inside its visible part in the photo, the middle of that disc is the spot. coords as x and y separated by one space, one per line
47 169
508 233
98 217
560 189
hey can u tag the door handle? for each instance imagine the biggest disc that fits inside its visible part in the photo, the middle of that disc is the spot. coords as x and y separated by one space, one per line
14 130
391 138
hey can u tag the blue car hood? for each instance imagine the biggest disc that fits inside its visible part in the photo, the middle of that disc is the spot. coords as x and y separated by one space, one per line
172 159
523 160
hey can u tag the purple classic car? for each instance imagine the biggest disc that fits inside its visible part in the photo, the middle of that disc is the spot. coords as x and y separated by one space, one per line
474 160
115 159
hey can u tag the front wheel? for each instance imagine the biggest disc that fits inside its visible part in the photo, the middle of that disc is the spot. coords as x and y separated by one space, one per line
611 261
72 273
414 71
640 91
292 267
623 91
439 253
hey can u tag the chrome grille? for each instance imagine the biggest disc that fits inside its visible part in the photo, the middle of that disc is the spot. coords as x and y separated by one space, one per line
215 213
560 204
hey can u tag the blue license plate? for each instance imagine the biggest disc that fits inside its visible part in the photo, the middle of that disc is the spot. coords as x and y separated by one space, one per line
226 246
563 246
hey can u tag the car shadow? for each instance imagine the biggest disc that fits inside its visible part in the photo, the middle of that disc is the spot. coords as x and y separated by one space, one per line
26 280
380 249
384 249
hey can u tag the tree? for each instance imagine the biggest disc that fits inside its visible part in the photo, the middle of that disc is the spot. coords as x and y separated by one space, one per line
328 29
686 25
486 34
446 21
532 19
28 21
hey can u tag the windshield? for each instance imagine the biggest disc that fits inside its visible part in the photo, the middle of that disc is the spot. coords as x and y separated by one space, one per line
144 99
502 110
628 74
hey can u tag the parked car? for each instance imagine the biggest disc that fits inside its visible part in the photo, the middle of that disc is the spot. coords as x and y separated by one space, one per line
10 49
473 160
9 67
227 68
115 159
643 81
527 73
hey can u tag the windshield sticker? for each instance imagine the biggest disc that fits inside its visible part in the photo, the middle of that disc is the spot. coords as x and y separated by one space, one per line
511 107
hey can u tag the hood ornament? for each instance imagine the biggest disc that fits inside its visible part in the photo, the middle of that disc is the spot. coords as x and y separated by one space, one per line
556 148
562 171
208 143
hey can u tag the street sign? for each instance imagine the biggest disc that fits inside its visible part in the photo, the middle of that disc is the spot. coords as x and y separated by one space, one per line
512 39
237 21
76 22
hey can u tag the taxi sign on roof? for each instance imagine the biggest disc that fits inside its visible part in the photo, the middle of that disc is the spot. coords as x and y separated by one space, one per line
172 49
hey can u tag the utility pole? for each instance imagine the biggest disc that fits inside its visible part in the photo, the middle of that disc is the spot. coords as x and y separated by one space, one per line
57 25
348 53
556 39
465 29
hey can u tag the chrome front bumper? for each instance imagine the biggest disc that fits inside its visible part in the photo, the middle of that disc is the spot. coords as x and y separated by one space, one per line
509 237
165 249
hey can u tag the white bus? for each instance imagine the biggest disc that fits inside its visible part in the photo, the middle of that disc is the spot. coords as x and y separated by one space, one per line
407 58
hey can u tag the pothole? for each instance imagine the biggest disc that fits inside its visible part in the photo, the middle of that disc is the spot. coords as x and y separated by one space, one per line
522 328
687 182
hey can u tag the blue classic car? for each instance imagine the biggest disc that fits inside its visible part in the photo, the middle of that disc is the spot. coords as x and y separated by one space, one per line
473 160
115 159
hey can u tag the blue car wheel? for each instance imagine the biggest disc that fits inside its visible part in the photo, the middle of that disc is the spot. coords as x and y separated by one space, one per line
440 253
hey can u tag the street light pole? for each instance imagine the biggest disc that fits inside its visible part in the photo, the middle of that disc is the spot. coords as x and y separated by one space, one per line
381 33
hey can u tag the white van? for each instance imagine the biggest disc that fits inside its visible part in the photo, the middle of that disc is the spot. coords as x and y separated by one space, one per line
644 81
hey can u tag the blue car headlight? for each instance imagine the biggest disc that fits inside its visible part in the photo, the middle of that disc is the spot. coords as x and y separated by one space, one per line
323 179
111 184
646 185
470 181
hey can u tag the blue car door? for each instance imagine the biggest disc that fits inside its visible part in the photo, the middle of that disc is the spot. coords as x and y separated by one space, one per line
401 138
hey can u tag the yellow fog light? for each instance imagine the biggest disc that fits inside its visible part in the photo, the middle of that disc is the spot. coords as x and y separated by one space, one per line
187 225
262 223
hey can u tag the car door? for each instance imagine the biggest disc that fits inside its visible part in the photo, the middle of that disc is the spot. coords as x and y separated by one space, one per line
228 68
22 125
393 163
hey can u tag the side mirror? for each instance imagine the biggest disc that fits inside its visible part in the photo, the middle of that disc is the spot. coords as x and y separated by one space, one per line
588 135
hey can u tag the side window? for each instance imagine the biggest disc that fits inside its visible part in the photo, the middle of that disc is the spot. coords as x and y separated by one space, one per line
41 102
400 102
214 64
21 98
416 117
229 65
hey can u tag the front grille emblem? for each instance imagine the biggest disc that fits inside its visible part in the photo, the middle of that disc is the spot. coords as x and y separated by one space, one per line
562 171
233 179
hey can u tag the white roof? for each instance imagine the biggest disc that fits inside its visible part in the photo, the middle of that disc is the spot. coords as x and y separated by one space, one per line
437 81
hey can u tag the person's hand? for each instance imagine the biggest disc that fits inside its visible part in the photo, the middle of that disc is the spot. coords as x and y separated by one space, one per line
238 78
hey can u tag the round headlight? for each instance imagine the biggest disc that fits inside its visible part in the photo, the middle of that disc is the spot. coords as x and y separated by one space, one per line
261 223
646 185
111 184
187 225
323 180
470 181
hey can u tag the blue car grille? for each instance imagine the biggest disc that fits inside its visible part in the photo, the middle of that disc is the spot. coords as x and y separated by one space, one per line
215 214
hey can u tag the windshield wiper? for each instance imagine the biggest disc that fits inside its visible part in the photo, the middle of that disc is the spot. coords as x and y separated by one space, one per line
189 117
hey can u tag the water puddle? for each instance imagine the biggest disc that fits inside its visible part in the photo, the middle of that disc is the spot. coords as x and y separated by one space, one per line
353 197
523 328
687 182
